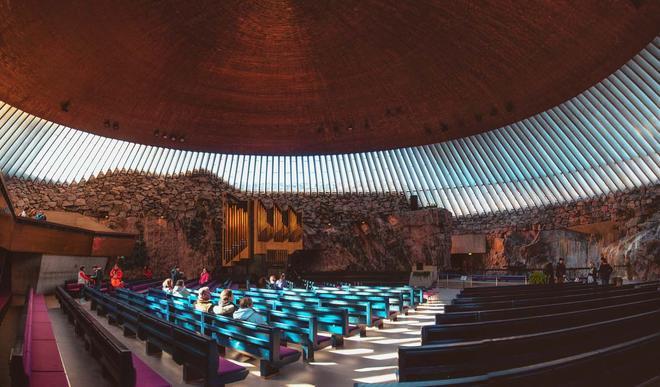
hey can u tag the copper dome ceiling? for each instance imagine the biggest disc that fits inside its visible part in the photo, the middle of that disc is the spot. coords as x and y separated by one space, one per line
308 77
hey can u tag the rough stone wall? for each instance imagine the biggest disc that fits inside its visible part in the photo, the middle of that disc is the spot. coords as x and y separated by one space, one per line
529 237
179 220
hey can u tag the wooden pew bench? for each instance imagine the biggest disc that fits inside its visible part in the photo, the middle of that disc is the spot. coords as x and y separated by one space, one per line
197 353
433 334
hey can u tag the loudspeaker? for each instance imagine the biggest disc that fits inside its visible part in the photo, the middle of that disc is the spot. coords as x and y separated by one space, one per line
414 203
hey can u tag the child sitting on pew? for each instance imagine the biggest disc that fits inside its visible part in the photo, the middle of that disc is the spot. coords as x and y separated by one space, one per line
226 307
203 302
180 289
246 313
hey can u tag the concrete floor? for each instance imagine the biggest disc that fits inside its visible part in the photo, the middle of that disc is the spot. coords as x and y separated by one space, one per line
371 359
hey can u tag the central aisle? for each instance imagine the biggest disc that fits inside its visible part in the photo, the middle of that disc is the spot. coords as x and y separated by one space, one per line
371 359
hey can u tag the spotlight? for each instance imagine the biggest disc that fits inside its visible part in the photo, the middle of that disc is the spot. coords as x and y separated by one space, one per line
182 139
164 136
64 105
106 123
115 125
173 138
156 133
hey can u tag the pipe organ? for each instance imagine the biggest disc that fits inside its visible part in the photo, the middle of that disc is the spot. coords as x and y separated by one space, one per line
251 228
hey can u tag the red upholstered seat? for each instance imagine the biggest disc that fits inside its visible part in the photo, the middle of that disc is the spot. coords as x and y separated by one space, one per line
145 376
42 331
227 367
40 317
40 308
286 352
48 379
46 356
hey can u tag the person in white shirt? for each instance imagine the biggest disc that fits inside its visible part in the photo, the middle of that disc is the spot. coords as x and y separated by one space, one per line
180 289
167 285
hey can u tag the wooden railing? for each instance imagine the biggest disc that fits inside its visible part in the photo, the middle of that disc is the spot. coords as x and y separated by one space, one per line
21 234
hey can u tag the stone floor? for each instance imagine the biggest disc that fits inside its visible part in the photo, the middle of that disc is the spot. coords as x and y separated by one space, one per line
371 359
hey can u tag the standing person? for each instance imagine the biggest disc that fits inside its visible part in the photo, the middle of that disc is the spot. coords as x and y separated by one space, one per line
83 278
147 273
175 274
592 273
116 275
560 271
226 306
98 277
204 276
605 271
549 272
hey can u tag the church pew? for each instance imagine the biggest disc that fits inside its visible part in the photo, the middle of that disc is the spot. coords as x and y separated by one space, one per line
540 301
118 362
360 308
330 319
491 290
197 353
256 340
527 311
445 333
396 303
302 330
437 361
555 292
630 363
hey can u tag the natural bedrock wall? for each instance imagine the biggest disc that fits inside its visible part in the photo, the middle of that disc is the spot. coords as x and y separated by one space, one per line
179 220
619 225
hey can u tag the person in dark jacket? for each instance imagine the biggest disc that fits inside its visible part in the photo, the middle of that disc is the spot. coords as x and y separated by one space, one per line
549 272
560 271
605 271
98 277
175 274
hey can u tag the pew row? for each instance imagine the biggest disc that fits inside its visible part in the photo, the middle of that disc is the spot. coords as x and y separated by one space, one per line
198 354
118 362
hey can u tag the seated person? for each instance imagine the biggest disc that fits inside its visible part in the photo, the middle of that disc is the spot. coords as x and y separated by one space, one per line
167 285
272 284
180 289
40 216
83 278
247 313
281 283
226 306
203 302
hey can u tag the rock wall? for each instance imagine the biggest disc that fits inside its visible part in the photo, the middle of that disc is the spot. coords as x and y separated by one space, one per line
617 225
179 220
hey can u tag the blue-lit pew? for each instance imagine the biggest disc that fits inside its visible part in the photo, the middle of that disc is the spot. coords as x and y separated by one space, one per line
298 329
368 310
260 341
395 300
197 353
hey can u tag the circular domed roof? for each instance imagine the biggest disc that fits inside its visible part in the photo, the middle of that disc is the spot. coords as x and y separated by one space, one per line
307 77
